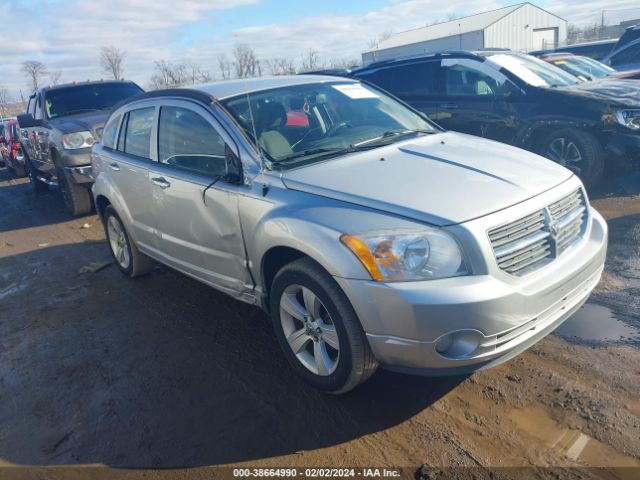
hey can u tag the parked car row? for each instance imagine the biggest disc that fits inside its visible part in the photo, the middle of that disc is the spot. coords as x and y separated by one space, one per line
621 54
524 101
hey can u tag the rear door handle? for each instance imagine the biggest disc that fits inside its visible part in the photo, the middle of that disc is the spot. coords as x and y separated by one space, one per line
114 166
449 106
161 182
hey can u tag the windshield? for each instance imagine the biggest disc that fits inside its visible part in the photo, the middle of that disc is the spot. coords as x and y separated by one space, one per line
305 123
87 98
584 67
534 71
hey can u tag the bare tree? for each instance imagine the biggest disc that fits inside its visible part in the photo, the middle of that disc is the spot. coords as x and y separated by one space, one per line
281 66
111 60
245 62
311 61
196 74
4 102
224 66
169 75
343 63
34 71
54 76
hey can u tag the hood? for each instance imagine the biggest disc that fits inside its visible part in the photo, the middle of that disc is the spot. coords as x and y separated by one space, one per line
613 91
441 179
92 121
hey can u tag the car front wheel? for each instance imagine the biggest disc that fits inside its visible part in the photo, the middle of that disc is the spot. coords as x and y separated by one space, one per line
318 329
579 151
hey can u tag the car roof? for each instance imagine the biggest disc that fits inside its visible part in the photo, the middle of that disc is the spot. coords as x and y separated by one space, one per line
79 84
231 88
414 58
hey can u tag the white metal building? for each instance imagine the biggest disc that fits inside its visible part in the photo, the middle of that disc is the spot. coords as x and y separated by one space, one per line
522 27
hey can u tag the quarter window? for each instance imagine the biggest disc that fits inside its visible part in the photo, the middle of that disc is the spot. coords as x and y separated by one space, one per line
189 142
138 132
110 131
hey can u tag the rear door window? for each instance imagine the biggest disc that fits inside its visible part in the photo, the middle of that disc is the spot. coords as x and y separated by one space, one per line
470 78
137 137
416 79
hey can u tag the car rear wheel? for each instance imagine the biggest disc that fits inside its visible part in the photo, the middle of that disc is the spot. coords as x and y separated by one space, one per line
579 151
318 330
76 198
128 258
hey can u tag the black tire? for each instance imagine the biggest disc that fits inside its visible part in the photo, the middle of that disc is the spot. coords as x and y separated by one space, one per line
20 171
590 165
36 184
355 362
76 198
138 264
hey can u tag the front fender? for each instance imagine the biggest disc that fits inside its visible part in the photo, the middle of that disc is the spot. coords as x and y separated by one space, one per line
312 225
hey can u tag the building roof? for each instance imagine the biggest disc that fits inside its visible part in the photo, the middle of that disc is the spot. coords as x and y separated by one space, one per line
472 23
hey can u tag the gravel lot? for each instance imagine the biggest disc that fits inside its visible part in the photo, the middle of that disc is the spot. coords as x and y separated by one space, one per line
162 371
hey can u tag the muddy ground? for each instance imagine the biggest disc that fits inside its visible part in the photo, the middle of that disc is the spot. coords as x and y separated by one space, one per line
162 371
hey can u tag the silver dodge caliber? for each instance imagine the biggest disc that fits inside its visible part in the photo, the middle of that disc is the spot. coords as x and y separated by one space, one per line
369 234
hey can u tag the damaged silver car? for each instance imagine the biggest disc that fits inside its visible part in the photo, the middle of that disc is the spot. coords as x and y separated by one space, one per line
370 235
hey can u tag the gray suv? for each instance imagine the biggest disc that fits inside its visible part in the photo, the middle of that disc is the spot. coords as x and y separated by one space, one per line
370 235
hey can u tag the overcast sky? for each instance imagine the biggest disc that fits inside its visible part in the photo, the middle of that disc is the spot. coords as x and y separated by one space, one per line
66 35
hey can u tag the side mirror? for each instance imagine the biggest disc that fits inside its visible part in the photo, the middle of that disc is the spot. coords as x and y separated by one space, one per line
26 120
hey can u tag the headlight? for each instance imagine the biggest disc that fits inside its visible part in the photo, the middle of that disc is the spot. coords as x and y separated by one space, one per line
629 118
78 140
400 256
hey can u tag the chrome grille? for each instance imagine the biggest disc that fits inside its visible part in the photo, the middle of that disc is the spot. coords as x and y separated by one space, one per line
533 241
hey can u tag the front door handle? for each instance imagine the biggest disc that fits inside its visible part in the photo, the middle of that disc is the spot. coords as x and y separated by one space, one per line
161 182
449 106
114 166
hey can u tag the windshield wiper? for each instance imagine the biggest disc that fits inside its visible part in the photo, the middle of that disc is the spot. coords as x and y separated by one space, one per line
392 133
323 152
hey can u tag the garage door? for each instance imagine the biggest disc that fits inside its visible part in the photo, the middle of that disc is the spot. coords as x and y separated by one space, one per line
544 38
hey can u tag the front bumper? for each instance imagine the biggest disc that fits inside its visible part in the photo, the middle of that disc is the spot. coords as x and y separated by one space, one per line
81 175
405 321
624 150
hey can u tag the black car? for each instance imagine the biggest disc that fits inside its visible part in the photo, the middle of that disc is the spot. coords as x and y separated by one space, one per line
521 100
625 54
60 126
596 50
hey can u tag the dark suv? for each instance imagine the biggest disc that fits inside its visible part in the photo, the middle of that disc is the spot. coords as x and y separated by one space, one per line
521 100
61 124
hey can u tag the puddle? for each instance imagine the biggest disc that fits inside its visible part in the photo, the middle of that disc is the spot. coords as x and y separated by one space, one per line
572 444
596 323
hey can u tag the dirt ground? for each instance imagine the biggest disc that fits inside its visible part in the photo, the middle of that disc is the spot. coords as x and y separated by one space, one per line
162 371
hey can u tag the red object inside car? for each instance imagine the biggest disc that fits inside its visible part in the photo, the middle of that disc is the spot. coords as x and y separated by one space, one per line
297 119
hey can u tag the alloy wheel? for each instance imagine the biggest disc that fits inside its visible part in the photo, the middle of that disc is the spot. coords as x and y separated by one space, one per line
565 152
309 330
118 242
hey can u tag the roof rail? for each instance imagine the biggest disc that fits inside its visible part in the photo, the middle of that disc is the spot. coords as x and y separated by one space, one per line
418 56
